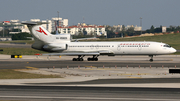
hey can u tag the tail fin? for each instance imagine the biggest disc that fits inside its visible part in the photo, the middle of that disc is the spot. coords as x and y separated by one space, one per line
39 32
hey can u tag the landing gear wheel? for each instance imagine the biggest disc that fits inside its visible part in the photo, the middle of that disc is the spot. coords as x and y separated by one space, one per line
89 59
74 59
93 59
80 58
151 60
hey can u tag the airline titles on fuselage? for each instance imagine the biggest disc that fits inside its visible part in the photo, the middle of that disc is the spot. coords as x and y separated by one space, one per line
61 37
135 44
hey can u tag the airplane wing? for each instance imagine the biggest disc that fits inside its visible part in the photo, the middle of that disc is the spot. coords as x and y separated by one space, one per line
86 53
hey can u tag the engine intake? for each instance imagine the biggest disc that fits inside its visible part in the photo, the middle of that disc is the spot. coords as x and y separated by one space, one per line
55 47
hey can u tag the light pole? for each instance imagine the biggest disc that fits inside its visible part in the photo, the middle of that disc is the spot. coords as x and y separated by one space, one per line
3 29
58 18
141 24
57 24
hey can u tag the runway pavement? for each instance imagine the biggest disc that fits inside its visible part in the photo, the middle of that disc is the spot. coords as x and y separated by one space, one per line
62 62
64 93
117 78
71 64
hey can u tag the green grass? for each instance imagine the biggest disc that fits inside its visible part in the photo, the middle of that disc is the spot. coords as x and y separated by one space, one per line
20 51
19 41
12 74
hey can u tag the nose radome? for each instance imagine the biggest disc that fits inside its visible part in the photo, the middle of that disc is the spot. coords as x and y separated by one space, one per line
174 50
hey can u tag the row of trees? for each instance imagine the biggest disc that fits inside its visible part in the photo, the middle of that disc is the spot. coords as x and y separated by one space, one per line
21 36
159 29
6 31
115 32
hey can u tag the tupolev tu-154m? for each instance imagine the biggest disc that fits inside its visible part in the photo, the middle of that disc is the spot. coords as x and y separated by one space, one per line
61 44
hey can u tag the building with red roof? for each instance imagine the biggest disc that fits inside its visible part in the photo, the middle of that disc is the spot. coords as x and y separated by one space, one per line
80 28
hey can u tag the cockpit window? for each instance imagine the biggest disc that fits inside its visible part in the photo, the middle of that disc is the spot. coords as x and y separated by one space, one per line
167 46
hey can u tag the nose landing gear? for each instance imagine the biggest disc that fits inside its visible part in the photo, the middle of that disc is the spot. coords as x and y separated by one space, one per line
151 60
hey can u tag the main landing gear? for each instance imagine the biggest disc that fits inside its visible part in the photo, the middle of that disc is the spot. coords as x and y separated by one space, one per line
151 60
80 58
94 58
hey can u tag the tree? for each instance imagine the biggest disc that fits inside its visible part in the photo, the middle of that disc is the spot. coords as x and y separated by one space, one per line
91 33
84 32
123 28
21 36
152 29
16 30
123 31
158 30
110 33
81 34
130 30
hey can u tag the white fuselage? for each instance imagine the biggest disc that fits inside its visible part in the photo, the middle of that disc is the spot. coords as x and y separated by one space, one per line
62 45
122 48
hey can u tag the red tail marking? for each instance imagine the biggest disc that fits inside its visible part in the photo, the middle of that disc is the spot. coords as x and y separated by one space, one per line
41 31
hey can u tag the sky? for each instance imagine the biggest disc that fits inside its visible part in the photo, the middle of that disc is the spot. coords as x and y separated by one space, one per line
99 12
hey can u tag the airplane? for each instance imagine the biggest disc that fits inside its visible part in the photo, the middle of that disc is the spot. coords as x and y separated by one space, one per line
61 44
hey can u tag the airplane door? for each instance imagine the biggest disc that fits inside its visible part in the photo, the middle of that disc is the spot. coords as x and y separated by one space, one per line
92 46
139 47
66 46
97 46
119 47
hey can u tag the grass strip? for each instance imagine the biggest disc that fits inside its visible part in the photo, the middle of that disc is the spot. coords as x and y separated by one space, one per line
20 51
12 74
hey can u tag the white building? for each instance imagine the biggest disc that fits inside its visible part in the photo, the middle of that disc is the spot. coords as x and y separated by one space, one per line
51 24
6 39
65 22
163 29
119 27
48 26
90 29
35 20
136 28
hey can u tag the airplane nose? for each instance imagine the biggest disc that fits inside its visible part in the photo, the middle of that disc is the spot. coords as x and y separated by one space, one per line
174 50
